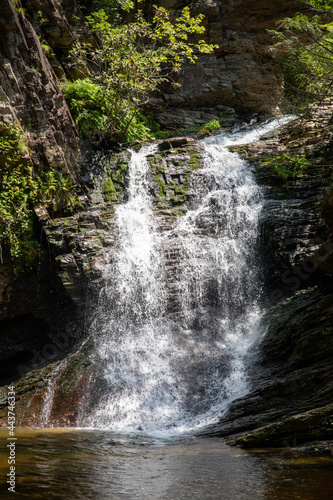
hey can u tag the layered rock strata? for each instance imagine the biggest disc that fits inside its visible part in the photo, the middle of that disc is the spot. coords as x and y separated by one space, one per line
241 75
30 91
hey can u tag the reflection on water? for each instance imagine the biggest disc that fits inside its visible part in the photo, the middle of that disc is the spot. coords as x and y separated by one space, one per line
67 464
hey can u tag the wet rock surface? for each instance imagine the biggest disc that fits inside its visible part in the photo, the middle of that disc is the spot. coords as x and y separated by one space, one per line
81 244
292 379
291 396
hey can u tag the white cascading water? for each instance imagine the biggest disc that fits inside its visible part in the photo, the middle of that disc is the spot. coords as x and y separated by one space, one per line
180 310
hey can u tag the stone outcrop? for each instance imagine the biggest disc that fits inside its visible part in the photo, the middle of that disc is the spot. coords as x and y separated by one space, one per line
79 244
292 380
295 217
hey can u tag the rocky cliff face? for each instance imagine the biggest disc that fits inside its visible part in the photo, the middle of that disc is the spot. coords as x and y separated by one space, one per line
34 49
30 91
241 75
292 379
35 41
291 399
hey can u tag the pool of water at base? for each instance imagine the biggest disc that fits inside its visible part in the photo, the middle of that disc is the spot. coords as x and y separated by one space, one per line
95 464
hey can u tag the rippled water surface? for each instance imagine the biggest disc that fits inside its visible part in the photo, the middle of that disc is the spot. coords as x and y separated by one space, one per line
68 464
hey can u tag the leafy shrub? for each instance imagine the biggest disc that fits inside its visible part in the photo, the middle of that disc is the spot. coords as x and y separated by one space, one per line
56 192
211 126
287 166
20 190
87 106
137 130
127 65
304 46
112 7
92 110
321 4
17 188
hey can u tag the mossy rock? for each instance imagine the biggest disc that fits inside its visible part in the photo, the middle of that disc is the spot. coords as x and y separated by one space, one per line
109 190
300 330
308 426
114 184
118 175
172 167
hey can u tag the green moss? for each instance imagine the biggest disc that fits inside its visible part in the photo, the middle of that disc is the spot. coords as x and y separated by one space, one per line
106 214
177 212
109 190
210 126
172 172
306 426
103 240
180 189
118 175
156 162
69 222
161 190
109 186
194 161
288 166
78 367
113 186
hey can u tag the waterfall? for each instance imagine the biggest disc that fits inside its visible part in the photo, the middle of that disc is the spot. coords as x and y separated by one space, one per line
180 308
